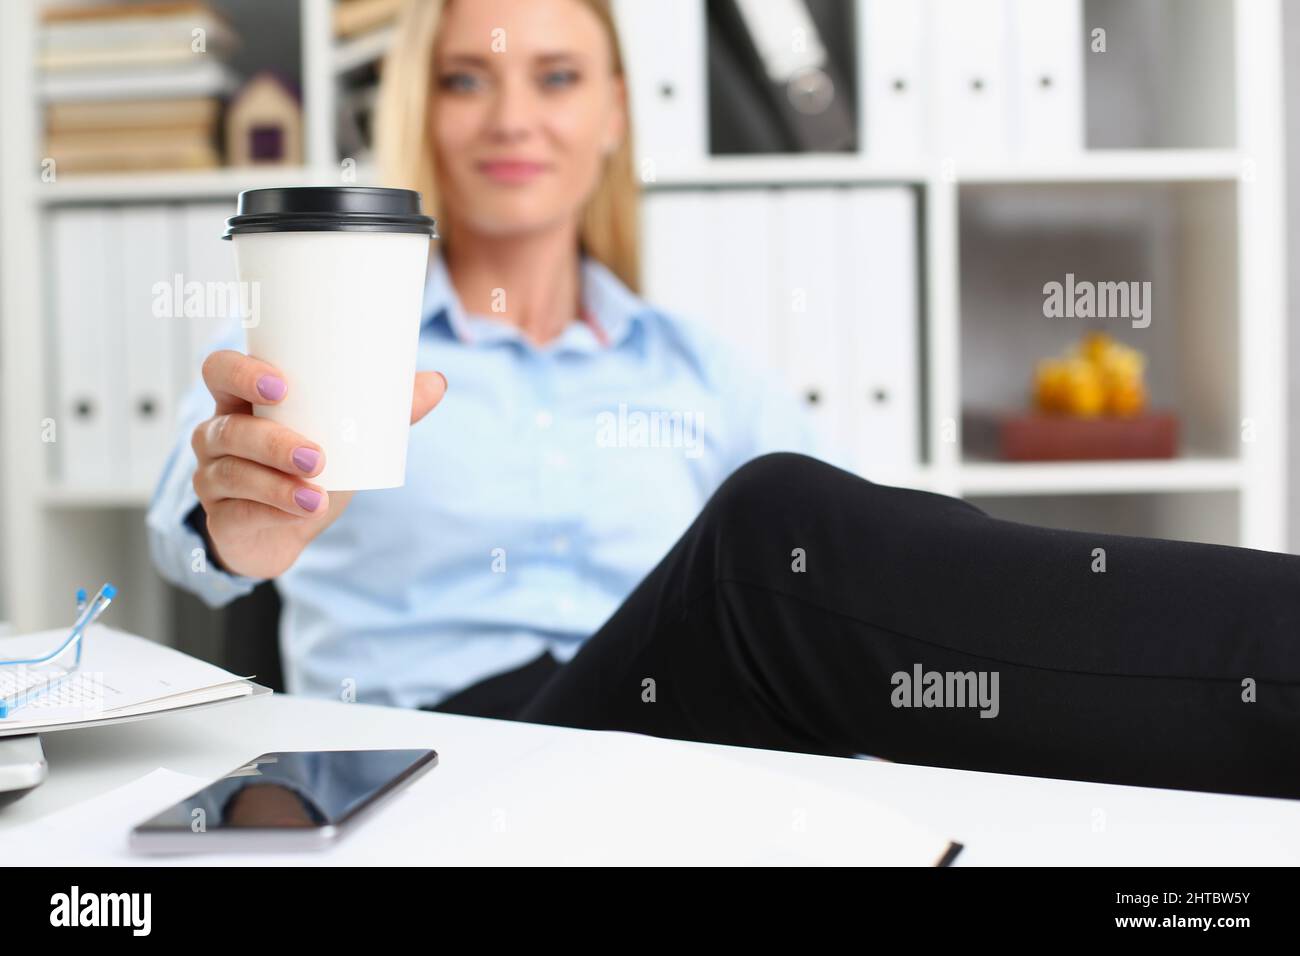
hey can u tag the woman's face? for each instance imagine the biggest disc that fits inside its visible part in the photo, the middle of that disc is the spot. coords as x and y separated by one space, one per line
526 110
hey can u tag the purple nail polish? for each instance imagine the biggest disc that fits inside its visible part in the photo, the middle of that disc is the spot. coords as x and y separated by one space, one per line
307 499
271 388
306 459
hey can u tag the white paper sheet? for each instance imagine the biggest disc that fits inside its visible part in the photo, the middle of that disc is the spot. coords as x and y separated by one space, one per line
94 831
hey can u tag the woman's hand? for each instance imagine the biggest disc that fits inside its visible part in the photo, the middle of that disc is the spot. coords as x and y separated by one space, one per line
253 474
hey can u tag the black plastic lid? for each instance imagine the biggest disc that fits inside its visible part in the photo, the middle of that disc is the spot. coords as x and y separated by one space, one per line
329 209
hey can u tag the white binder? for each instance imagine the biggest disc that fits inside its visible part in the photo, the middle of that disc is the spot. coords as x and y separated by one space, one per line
819 284
89 431
707 259
808 284
742 239
880 329
892 75
805 88
971 77
148 402
677 274
205 258
1048 100
665 48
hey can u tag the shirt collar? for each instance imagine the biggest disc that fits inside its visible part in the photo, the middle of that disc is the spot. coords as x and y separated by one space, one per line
610 311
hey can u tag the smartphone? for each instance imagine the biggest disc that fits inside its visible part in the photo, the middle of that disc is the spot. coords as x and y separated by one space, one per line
292 800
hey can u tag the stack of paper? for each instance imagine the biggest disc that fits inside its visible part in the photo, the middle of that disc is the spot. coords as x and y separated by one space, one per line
121 676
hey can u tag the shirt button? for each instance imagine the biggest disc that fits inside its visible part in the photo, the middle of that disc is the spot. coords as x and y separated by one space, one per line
560 544
543 419
556 459
565 604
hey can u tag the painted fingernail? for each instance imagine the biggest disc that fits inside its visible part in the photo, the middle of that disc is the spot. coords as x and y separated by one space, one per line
306 459
271 388
307 499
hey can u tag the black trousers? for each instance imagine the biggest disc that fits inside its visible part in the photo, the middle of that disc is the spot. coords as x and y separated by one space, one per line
807 609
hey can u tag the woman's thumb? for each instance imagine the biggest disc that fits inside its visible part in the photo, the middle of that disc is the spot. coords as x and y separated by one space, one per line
429 389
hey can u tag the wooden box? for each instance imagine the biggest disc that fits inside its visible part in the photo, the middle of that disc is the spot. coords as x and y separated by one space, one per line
1038 436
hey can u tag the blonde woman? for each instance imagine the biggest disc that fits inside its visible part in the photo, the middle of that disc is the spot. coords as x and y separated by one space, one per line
538 565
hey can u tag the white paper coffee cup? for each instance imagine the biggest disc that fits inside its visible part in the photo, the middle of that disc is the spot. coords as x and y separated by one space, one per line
337 277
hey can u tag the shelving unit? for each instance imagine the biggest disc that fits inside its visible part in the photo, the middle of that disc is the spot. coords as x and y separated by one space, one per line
1101 477
57 538
162 187
1093 166
1219 157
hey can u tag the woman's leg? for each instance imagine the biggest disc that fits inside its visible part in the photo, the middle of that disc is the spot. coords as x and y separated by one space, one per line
785 616
501 695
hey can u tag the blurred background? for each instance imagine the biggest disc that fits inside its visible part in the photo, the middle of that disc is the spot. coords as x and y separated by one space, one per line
1027 252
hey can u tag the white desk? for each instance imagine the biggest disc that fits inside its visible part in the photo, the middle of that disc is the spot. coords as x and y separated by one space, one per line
491 772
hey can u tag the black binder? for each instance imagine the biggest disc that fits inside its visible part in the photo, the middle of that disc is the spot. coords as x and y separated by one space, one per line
757 105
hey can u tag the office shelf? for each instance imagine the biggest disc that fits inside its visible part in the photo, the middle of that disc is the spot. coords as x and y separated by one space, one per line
1084 166
1110 165
177 186
106 497
1100 477
1212 158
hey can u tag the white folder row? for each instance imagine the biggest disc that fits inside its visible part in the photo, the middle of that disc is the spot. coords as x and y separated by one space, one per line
972 77
947 78
126 345
819 284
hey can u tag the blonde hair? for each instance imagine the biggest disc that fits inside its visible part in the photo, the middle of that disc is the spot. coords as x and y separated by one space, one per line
608 231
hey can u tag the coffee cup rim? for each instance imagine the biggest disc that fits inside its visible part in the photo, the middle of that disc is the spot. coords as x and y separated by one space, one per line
370 209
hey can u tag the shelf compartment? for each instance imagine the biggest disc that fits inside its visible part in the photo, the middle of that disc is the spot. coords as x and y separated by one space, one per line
1167 78
1100 477
1179 237
145 187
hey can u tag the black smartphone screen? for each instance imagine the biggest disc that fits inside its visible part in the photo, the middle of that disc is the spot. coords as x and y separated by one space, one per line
294 789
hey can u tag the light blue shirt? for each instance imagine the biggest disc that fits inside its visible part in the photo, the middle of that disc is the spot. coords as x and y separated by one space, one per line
541 490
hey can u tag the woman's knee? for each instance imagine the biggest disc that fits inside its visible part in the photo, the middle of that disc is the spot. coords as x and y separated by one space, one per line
769 486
